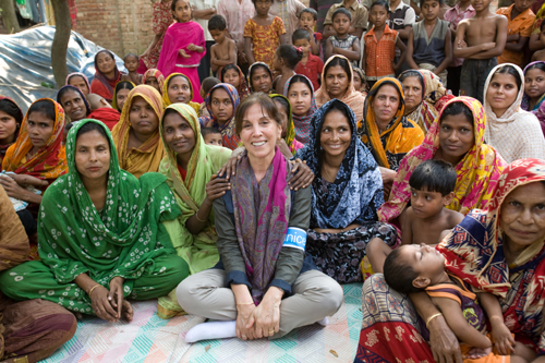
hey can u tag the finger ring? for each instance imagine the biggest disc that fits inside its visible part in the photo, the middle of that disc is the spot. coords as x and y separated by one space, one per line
244 336
271 331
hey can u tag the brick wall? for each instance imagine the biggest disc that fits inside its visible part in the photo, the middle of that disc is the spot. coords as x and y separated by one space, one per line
121 26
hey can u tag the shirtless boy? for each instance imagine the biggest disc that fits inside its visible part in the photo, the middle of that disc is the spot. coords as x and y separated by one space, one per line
479 40
426 220
224 52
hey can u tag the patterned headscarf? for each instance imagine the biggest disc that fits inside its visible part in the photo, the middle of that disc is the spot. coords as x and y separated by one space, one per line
101 76
166 100
357 192
228 130
303 123
152 72
425 113
243 89
477 173
73 88
50 161
293 144
148 156
121 240
401 135
475 254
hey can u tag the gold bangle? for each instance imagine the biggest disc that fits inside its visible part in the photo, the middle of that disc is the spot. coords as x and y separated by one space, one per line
432 317
197 216
92 288
248 303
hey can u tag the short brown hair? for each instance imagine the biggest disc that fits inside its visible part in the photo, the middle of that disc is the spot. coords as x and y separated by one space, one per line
267 106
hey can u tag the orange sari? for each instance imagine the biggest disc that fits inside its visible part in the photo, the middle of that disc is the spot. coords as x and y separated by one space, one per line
49 162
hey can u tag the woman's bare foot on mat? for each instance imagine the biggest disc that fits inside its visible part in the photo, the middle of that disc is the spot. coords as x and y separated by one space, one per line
126 311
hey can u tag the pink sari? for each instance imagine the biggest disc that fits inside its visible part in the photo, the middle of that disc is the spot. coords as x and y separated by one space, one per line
179 36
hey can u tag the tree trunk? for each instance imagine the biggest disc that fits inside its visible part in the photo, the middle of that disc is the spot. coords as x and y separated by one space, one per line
63 24
9 16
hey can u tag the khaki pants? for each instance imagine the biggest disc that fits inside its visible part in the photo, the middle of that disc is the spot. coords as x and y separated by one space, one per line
315 296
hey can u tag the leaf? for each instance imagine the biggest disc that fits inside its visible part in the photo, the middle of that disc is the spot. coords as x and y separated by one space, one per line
334 353
206 348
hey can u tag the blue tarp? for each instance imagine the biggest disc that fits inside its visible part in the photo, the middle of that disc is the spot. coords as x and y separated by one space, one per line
25 63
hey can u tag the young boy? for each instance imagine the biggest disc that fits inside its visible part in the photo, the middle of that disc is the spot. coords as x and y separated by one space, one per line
224 52
430 45
520 23
415 268
343 43
307 21
479 40
380 45
212 136
206 86
358 22
131 63
310 65
426 220
462 10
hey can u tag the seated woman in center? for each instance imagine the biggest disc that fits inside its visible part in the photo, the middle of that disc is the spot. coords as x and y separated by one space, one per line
264 281
346 194
136 135
191 169
100 236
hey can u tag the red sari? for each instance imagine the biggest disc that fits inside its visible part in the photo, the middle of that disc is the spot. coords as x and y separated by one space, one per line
179 36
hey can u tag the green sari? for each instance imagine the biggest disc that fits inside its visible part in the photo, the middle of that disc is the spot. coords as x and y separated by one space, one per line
124 239
198 250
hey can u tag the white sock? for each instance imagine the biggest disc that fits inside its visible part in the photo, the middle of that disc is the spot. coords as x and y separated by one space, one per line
323 322
212 330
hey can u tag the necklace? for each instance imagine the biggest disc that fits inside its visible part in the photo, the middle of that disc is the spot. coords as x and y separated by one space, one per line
327 174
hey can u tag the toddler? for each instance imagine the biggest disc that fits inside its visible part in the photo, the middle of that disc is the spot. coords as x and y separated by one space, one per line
212 136
415 268
310 65
131 62
307 22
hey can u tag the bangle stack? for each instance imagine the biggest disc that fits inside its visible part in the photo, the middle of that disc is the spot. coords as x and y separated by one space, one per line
197 216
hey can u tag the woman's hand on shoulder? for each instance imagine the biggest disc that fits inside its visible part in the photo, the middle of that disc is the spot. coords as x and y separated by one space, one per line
230 166
216 188
102 306
444 343
302 175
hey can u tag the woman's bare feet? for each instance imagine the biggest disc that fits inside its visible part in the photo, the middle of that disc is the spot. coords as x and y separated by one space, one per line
126 311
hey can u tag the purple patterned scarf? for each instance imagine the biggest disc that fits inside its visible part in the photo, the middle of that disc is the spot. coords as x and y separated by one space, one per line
262 212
